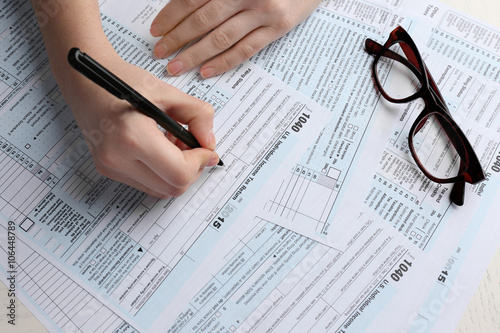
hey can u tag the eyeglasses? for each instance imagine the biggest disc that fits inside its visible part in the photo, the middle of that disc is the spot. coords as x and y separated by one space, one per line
438 146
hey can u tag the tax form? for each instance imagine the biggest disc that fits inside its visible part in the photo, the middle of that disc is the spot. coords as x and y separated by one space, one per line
463 56
94 255
339 76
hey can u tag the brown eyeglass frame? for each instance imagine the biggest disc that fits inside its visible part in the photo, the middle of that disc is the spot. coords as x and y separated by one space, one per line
470 169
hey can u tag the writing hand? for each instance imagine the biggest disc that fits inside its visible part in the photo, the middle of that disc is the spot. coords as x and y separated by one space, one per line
128 146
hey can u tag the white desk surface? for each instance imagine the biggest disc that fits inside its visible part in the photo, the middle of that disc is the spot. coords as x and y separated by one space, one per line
482 313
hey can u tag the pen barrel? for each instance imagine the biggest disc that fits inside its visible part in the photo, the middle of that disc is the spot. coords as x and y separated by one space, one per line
167 123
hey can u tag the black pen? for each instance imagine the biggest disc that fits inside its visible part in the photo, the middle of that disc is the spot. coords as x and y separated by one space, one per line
94 71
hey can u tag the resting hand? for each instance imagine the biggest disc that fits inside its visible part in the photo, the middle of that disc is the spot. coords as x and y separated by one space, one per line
127 146
237 29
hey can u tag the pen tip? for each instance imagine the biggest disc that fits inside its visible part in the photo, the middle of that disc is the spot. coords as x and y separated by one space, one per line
220 163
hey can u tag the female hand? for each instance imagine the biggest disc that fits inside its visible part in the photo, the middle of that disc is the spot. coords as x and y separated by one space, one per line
128 146
236 30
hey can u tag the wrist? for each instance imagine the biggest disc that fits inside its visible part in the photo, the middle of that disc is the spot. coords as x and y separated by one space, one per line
77 23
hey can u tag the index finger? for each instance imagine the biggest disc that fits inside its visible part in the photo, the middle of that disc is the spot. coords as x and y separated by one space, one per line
172 14
191 111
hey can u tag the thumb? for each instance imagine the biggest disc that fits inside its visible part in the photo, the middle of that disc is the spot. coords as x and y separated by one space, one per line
202 157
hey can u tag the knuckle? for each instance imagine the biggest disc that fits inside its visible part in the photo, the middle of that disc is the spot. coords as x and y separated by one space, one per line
277 7
284 21
207 109
173 40
247 50
191 58
226 65
201 21
284 24
221 39
190 3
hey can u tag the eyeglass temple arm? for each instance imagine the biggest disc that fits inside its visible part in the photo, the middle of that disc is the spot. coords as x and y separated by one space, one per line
457 194
374 48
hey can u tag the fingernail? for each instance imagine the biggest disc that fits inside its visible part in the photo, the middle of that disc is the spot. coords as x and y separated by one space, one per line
156 30
161 50
211 140
207 72
174 67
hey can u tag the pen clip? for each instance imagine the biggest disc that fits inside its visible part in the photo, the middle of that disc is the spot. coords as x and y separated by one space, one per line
86 66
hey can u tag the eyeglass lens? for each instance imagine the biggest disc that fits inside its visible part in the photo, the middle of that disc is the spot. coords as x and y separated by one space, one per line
433 150
397 80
